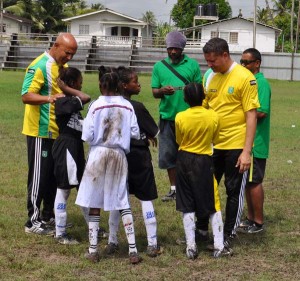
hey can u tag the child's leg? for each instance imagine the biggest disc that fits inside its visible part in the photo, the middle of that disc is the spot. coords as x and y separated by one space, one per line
60 209
85 211
114 220
127 220
189 229
94 219
150 222
217 229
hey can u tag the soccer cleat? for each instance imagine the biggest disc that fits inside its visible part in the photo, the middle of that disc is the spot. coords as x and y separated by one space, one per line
192 252
226 252
93 257
245 223
134 258
251 229
170 196
41 230
65 239
51 223
102 233
111 248
154 251
228 240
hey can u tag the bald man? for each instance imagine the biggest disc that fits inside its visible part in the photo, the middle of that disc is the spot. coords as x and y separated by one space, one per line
39 92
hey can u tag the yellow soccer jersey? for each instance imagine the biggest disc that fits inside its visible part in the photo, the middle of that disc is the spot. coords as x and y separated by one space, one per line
196 129
231 95
40 78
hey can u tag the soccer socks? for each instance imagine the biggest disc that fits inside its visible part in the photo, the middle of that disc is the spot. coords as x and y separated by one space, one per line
93 232
150 222
189 229
127 220
217 230
60 210
114 221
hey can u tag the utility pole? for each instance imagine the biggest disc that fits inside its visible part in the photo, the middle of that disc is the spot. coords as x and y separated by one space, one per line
292 24
297 30
1 19
254 23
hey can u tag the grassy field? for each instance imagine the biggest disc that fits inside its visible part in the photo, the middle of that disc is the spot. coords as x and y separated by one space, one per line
272 255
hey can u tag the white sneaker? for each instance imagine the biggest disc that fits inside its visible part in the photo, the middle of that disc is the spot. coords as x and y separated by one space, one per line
42 230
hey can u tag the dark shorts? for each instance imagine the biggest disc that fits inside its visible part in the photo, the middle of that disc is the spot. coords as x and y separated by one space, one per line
69 161
195 184
141 179
257 171
168 148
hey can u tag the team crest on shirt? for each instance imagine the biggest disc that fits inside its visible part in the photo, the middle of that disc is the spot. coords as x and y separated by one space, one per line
252 82
230 90
31 71
44 153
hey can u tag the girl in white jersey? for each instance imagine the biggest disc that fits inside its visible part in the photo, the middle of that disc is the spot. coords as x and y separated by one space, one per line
108 127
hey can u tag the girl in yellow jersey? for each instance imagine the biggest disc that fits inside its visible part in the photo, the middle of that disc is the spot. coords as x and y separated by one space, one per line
196 129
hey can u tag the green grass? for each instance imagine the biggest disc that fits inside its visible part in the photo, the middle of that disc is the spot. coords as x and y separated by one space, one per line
272 255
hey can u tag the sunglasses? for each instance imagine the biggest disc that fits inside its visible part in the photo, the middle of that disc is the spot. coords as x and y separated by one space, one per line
246 62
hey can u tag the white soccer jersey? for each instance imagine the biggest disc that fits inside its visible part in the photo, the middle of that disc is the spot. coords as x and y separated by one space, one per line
110 122
108 127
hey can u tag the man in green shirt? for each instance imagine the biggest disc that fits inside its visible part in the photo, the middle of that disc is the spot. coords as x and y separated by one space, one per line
168 87
251 59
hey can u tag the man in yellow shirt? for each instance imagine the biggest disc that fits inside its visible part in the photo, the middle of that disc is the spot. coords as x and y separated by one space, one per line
39 92
231 91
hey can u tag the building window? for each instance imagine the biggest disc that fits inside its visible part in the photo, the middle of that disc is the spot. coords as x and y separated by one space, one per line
3 27
84 29
114 31
233 37
224 35
213 34
230 37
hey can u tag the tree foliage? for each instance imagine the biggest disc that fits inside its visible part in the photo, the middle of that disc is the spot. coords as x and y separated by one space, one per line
150 19
47 15
184 11
283 17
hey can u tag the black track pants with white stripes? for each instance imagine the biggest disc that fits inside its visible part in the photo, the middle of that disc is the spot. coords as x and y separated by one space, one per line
224 163
41 183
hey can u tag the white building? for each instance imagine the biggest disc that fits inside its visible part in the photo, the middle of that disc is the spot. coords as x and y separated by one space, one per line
238 32
108 24
15 24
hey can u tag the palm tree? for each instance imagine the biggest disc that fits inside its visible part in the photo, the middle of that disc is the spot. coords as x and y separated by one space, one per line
97 6
150 19
262 16
161 31
22 8
269 11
